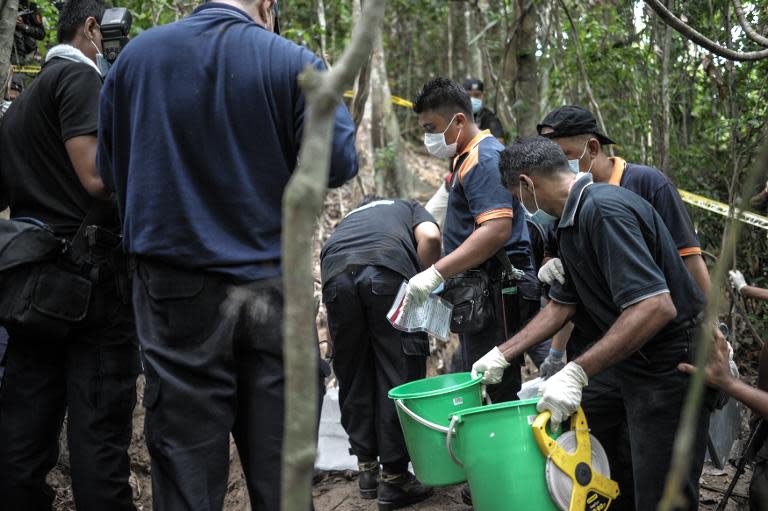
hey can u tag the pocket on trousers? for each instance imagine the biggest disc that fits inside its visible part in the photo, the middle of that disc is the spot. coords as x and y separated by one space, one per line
183 308
415 345
330 292
384 287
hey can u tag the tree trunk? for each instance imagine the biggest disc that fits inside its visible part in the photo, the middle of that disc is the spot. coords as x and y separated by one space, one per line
526 82
474 57
8 11
302 203
390 172
665 120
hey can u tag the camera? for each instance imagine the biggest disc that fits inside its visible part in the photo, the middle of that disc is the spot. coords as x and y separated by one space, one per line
115 25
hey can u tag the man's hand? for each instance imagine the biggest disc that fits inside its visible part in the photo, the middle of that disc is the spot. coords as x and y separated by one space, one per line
492 366
552 364
552 271
561 394
720 368
737 280
421 285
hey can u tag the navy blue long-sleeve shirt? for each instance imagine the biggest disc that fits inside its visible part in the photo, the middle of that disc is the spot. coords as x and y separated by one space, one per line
199 130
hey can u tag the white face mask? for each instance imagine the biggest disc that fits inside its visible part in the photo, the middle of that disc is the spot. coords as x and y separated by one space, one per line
101 61
574 164
436 145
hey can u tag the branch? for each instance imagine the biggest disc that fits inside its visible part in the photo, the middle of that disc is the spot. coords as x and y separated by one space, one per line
686 431
8 11
583 70
302 204
695 36
751 33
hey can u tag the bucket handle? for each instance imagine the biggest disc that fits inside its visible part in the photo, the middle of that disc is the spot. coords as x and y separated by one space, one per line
449 441
418 418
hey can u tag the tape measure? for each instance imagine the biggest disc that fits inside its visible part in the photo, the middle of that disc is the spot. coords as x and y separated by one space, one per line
578 474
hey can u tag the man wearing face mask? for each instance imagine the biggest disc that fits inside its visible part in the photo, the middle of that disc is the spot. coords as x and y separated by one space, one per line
623 268
481 218
575 130
484 117
49 174
201 124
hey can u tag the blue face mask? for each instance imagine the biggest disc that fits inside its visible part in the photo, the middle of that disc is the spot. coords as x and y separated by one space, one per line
540 216
477 104
574 164
101 62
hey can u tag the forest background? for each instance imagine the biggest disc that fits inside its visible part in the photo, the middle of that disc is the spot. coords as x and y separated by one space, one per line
666 101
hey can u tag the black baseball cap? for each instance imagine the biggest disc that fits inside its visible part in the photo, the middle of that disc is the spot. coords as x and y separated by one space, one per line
569 121
473 84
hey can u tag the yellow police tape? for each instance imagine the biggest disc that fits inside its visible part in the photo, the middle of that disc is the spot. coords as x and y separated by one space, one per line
723 209
27 70
395 99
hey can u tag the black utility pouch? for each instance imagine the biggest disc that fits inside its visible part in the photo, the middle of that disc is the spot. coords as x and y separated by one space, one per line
470 294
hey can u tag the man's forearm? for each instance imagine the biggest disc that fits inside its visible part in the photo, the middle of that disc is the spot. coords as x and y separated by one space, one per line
754 398
560 339
428 252
762 369
757 293
543 326
634 327
698 270
478 248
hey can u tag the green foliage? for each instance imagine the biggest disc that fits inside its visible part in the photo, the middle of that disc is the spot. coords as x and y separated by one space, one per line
718 108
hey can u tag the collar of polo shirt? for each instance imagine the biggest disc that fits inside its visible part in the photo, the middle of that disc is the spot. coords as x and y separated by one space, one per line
574 199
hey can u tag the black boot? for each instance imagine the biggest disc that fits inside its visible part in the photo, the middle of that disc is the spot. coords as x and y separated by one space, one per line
368 479
400 490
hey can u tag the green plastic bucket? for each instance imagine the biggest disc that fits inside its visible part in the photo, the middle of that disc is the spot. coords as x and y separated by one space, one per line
496 447
425 408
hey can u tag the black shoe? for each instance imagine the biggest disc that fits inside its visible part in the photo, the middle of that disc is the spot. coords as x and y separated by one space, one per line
466 497
400 490
368 479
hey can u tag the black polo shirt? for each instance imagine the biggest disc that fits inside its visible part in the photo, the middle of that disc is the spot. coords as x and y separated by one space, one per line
617 252
377 234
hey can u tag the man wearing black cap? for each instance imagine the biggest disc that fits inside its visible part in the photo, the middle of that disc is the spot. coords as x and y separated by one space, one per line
484 118
575 130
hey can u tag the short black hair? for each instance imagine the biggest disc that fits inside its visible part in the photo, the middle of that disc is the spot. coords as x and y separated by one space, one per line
532 156
367 199
443 95
73 15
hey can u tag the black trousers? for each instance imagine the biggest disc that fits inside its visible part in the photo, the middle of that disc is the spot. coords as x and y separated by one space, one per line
213 359
633 409
91 375
516 310
370 358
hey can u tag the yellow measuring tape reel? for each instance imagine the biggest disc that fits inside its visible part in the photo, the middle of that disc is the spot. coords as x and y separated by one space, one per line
578 475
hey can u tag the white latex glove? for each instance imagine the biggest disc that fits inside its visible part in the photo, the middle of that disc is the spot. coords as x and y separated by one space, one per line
421 285
552 364
552 271
737 280
561 394
492 366
732 363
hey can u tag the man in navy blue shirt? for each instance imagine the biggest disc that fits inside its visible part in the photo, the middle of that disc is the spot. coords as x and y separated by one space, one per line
200 128
481 218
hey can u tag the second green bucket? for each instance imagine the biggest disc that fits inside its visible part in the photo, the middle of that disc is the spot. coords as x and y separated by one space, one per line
504 466
425 407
